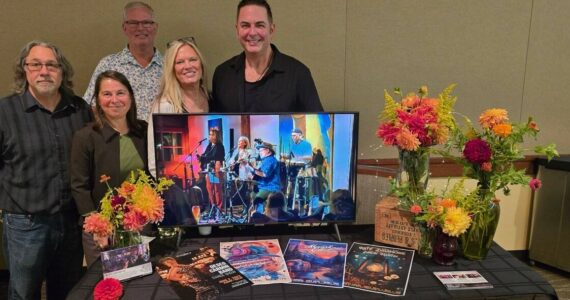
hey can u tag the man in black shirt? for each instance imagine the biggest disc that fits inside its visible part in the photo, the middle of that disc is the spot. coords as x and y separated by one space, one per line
42 236
262 79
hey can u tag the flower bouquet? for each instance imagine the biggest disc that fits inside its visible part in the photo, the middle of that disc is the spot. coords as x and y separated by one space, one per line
126 209
447 216
414 124
488 155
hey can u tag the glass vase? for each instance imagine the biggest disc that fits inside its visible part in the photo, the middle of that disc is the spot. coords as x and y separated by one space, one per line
425 244
478 238
124 238
445 248
413 172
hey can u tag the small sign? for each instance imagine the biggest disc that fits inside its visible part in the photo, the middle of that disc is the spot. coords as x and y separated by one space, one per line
394 226
126 263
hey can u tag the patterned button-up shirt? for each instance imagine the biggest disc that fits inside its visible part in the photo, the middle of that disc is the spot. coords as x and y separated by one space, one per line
144 80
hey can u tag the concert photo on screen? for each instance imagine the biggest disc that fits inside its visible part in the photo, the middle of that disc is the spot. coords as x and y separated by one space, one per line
257 168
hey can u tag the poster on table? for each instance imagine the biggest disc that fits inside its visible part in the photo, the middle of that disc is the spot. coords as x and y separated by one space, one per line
317 263
126 263
261 261
378 269
200 274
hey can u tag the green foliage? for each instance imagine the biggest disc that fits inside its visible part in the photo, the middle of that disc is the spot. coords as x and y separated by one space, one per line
390 107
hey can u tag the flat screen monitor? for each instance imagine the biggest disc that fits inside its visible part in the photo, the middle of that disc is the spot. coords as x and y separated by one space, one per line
257 168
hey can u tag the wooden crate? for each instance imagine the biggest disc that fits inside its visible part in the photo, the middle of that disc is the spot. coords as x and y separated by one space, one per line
393 226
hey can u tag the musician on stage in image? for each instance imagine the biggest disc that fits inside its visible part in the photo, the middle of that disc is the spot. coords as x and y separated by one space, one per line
238 166
239 160
267 175
300 154
211 164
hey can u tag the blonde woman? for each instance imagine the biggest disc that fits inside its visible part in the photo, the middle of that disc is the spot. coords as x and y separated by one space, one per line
183 87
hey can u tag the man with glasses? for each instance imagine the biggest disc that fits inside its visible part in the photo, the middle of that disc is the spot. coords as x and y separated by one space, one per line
41 233
139 61
262 79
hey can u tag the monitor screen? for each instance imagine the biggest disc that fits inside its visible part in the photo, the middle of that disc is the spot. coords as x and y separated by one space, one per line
257 168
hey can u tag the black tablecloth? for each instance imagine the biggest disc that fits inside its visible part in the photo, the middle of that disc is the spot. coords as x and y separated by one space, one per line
510 277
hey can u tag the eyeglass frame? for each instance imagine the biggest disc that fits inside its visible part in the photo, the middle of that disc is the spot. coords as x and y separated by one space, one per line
186 39
37 66
135 24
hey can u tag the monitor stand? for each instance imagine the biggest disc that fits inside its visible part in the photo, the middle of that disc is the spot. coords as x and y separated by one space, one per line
337 231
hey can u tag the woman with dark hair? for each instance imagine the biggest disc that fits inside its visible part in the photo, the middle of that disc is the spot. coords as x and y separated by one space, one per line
113 145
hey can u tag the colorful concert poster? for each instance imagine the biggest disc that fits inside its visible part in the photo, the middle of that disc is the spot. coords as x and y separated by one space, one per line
378 269
200 274
260 261
316 262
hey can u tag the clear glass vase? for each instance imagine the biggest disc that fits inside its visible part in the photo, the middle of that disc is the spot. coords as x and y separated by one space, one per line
124 238
413 172
445 248
478 238
425 244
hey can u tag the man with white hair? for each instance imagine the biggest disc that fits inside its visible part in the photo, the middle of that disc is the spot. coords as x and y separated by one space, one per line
139 61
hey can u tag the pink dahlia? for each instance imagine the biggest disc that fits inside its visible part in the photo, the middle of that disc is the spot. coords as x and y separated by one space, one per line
117 200
535 184
415 209
134 220
108 289
477 151
97 224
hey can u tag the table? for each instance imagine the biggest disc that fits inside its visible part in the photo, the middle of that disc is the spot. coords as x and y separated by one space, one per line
510 277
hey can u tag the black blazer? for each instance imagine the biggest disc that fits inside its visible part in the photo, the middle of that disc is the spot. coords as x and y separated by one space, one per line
95 153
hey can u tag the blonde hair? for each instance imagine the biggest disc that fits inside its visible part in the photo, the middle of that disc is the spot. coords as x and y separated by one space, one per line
170 89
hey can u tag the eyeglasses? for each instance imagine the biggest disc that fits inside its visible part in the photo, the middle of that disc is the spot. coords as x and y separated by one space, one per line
187 39
135 24
36 66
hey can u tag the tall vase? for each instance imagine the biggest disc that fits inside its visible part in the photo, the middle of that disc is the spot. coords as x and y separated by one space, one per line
425 244
124 238
478 238
413 172
445 248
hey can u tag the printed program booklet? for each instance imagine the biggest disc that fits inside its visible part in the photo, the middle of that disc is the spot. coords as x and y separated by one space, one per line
126 263
316 262
462 280
261 261
378 269
200 274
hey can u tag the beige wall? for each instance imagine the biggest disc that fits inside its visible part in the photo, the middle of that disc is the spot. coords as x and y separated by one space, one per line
509 53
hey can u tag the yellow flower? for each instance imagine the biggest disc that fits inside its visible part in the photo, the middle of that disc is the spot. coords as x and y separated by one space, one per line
148 203
492 117
503 130
456 221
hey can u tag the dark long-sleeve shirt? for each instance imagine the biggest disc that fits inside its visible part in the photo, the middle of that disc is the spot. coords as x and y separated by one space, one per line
35 147
287 87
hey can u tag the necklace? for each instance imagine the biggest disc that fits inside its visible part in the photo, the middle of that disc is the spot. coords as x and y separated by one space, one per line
266 68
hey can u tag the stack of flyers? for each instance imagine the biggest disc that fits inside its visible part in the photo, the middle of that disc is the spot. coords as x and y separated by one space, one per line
316 262
261 261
